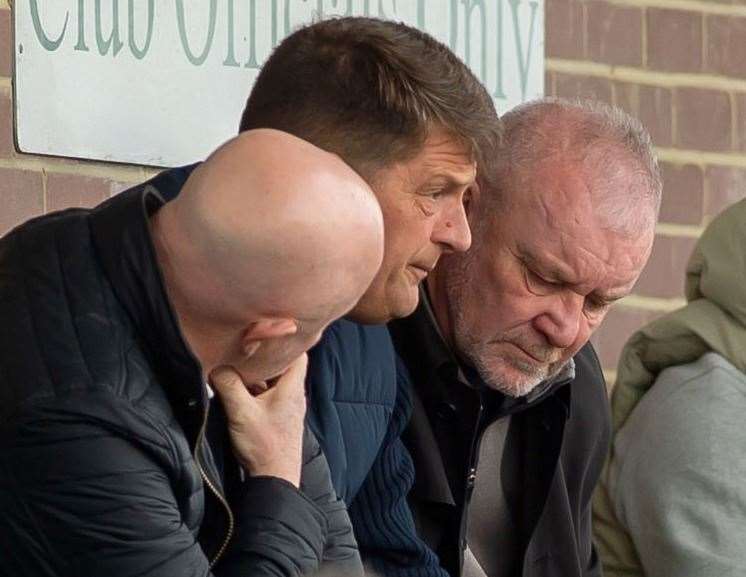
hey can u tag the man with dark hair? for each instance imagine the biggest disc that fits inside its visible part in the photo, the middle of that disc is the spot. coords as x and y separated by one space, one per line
414 122
402 110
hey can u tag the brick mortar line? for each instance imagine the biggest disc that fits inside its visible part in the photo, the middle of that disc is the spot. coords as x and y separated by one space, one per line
644 39
649 77
701 158
703 6
645 303
703 48
135 174
734 112
584 38
685 230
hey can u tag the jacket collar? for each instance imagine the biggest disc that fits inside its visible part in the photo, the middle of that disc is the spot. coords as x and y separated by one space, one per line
433 369
121 235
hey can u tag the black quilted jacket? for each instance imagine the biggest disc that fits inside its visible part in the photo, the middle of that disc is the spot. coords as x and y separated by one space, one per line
104 465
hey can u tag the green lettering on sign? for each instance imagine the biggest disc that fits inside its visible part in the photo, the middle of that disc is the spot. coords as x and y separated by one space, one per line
81 45
454 25
523 64
469 6
105 43
137 52
44 40
197 60
230 58
287 17
252 62
274 23
499 92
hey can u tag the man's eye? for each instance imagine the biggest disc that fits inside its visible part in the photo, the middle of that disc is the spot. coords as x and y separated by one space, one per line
594 307
435 194
538 284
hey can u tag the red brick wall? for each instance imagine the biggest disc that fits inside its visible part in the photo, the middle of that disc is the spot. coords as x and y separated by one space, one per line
680 66
31 185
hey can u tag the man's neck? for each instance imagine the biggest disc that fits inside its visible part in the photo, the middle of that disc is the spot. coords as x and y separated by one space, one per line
435 289
194 337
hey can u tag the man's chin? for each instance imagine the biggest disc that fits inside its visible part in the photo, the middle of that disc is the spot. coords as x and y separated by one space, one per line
517 378
512 377
372 310
404 303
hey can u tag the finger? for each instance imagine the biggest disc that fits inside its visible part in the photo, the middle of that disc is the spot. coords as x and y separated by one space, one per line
230 388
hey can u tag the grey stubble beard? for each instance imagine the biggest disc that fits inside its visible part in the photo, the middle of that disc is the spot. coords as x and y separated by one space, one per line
491 367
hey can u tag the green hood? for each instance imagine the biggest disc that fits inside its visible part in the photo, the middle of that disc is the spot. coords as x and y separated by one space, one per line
714 318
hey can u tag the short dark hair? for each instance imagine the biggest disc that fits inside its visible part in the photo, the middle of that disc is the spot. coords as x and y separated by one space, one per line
370 91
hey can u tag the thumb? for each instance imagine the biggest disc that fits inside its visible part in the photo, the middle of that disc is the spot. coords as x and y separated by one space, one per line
230 388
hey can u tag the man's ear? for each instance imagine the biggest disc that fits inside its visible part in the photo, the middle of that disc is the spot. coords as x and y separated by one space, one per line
471 197
264 330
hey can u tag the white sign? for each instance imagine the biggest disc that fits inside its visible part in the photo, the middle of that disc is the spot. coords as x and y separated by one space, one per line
164 82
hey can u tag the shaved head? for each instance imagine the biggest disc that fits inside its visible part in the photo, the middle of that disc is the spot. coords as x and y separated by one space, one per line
268 227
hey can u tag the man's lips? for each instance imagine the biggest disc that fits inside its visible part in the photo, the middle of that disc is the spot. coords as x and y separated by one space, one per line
420 271
543 359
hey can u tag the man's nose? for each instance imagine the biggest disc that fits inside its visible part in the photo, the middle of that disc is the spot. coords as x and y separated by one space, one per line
452 229
562 321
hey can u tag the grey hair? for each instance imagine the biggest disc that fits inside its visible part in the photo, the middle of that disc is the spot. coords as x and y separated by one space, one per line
603 139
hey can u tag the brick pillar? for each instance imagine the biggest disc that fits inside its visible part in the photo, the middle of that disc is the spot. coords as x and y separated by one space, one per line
679 66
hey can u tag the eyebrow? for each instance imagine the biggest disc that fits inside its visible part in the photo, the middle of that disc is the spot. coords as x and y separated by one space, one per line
445 180
555 275
456 177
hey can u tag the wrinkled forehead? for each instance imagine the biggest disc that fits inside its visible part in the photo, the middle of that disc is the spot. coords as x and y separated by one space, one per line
586 255
562 193
552 220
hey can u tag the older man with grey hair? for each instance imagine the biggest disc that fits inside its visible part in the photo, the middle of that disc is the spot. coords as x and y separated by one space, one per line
510 423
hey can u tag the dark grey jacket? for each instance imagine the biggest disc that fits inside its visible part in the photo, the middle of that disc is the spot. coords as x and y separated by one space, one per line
561 437
104 465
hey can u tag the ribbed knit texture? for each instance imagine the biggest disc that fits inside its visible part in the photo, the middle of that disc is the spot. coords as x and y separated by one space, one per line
389 544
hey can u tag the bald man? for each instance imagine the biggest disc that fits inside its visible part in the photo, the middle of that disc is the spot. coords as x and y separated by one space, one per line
114 459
